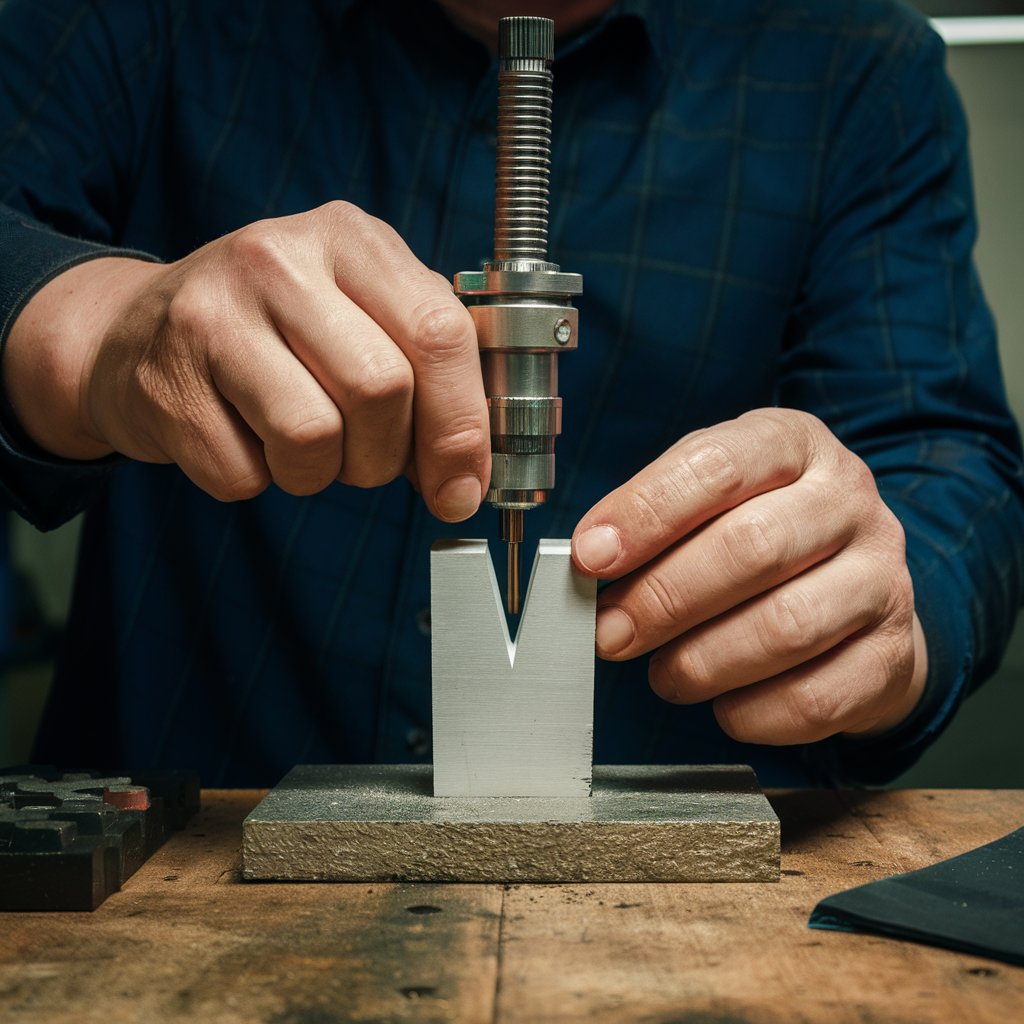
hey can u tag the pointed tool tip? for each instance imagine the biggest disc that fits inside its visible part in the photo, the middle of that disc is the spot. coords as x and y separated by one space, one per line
513 578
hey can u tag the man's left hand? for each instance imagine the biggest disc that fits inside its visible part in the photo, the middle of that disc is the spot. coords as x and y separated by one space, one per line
763 569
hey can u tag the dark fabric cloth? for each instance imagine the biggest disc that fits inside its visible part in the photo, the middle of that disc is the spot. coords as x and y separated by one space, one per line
973 903
769 203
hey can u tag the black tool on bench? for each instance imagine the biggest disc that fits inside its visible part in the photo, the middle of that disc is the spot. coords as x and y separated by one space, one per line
70 839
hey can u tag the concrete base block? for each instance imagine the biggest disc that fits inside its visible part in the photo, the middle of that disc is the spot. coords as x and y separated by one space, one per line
363 823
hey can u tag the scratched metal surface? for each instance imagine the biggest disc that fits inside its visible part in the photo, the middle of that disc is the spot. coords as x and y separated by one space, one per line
511 717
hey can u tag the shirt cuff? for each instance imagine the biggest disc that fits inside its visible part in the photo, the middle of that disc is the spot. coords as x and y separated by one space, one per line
42 488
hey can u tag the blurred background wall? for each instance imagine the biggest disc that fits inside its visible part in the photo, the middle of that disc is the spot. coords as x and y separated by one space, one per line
984 746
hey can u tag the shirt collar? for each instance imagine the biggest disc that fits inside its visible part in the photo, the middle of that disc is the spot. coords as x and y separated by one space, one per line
651 17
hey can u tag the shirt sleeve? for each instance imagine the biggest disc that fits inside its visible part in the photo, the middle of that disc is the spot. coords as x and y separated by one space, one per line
892 345
77 83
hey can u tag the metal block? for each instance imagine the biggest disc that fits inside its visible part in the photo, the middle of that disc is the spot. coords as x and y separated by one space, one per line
361 823
511 718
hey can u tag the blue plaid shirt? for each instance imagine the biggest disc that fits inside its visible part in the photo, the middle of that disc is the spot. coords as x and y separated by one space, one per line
769 203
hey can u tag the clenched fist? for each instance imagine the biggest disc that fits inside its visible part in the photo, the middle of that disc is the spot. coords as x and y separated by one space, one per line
300 350
760 566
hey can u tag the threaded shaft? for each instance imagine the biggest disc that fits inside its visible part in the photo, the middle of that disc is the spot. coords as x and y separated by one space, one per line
526 50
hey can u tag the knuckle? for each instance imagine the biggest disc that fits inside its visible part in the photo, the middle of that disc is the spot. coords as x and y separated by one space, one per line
713 468
240 486
263 247
860 472
789 625
812 430
661 677
195 311
793 428
646 501
384 380
885 658
690 669
890 532
367 474
890 578
377 465
312 432
442 281
460 438
442 330
344 216
859 484
904 656
304 484
754 544
890 647
347 226
663 598
808 712
898 618
304 452
812 426
903 593
732 713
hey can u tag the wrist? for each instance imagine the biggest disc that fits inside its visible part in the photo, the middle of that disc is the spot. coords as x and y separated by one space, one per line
52 349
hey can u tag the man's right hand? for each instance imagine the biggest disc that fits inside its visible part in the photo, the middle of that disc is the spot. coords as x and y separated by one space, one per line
298 350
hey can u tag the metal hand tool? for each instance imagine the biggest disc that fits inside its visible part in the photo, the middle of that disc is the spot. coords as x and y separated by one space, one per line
520 302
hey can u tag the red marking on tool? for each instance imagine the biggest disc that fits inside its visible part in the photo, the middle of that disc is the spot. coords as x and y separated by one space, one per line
127 798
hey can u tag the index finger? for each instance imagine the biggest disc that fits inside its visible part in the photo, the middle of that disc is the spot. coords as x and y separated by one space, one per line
701 476
420 313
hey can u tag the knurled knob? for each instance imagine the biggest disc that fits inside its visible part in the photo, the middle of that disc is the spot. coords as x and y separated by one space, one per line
523 38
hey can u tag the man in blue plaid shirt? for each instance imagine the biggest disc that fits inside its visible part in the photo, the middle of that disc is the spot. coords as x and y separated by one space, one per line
226 234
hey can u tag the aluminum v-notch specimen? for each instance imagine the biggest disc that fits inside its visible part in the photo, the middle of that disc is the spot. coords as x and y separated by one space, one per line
511 717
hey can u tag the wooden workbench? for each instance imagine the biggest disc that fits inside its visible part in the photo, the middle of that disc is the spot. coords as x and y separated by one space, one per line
186 940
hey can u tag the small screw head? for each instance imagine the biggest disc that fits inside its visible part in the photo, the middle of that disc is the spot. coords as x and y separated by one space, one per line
563 331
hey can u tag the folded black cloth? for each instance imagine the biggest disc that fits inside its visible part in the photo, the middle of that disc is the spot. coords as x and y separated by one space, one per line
973 903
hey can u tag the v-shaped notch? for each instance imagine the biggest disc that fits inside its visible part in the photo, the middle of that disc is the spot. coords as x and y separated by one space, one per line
547 577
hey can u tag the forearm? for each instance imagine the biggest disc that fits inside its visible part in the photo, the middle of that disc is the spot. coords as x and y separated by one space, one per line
51 348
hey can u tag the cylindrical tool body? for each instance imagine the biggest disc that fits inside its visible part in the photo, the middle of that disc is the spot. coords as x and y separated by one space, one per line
521 303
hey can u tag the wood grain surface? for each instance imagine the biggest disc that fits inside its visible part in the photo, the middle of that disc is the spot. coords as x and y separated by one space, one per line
187 940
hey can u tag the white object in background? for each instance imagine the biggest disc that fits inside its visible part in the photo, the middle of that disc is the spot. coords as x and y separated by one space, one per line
980 31
511 718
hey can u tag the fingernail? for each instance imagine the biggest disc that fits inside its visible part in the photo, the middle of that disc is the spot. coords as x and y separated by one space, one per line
458 498
597 548
615 630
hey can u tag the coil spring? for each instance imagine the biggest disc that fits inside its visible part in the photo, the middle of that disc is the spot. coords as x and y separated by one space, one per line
524 162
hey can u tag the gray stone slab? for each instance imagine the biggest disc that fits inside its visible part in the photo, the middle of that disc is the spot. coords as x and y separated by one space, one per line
642 824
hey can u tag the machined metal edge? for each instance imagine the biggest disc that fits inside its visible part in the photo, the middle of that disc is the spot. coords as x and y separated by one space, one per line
553 283
526 327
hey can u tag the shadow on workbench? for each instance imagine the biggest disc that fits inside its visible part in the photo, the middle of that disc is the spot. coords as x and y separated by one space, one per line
812 813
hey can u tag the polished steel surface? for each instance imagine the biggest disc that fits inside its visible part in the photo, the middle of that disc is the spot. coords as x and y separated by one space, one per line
521 303
526 48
